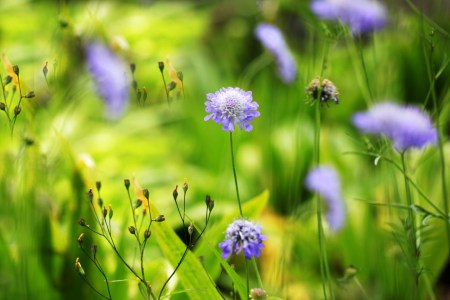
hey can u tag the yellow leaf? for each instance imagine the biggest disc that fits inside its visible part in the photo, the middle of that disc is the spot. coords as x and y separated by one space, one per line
173 75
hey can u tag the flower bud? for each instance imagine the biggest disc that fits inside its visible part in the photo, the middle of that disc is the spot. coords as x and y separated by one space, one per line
104 212
17 110
16 69
144 94
7 80
98 185
160 218
78 267
161 65
82 222
127 183
2 106
111 212
180 75
132 230
139 94
80 239
90 195
190 229
137 203
94 250
132 67
134 84
171 85
45 69
258 294
100 202
175 193
30 94
146 193
147 233
185 185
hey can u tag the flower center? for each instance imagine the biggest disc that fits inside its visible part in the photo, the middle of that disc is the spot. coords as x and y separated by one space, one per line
232 105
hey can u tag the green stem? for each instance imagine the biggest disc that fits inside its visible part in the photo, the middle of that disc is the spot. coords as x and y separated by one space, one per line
235 177
363 64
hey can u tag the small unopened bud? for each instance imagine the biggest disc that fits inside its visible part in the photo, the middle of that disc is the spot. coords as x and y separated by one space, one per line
146 193
98 185
104 212
127 183
139 94
160 218
30 94
2 106
171 85
94 250
100 202
207 200
147 233
185 185
90 195
17 110
16 69
7 80
82 222
132 230
175 193
45 69
161 65
78 267
180 75
132 67
144 94
111 212
137 203
80 239
190 229
258 294
211 206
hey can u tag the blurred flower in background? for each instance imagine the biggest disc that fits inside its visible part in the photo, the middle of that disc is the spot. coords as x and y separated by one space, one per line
325 181
111 77
272 39
406 126
363 16
232 106
243 234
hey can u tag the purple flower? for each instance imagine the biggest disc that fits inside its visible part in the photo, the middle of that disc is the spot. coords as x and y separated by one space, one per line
325 181
406 126
231 106
243 234
110 76
362 16
273 40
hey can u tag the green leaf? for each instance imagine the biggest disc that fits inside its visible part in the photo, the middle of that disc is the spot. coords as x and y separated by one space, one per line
191 273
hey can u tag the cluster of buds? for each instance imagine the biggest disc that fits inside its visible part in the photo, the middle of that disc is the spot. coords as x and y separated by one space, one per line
141 93
176 78
323 91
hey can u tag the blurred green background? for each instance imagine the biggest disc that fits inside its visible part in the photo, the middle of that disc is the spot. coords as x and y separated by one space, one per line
62 143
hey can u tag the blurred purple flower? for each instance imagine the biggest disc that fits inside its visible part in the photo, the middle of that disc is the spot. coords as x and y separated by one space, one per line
232 106
325 181
273 40
243 234
406 126
362 16
110 76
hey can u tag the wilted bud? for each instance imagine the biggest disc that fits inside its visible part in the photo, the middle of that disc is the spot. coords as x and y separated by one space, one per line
127 183
111 212
171 85
90 195
258 294
2 106
180 75
16 69
160 218
190 229
137 203
175 193
78 267
94 250
30 94
104 212
185 185
161 65
7 80
132 67
80 240
132 230
82 222
146 193
100 202
98 185
17 110
45 69
147 233
144 94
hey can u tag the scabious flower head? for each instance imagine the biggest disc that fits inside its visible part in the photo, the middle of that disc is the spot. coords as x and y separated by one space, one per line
110 76
326 88
406 126
362 16
232 106
325 181
243 234
273 40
